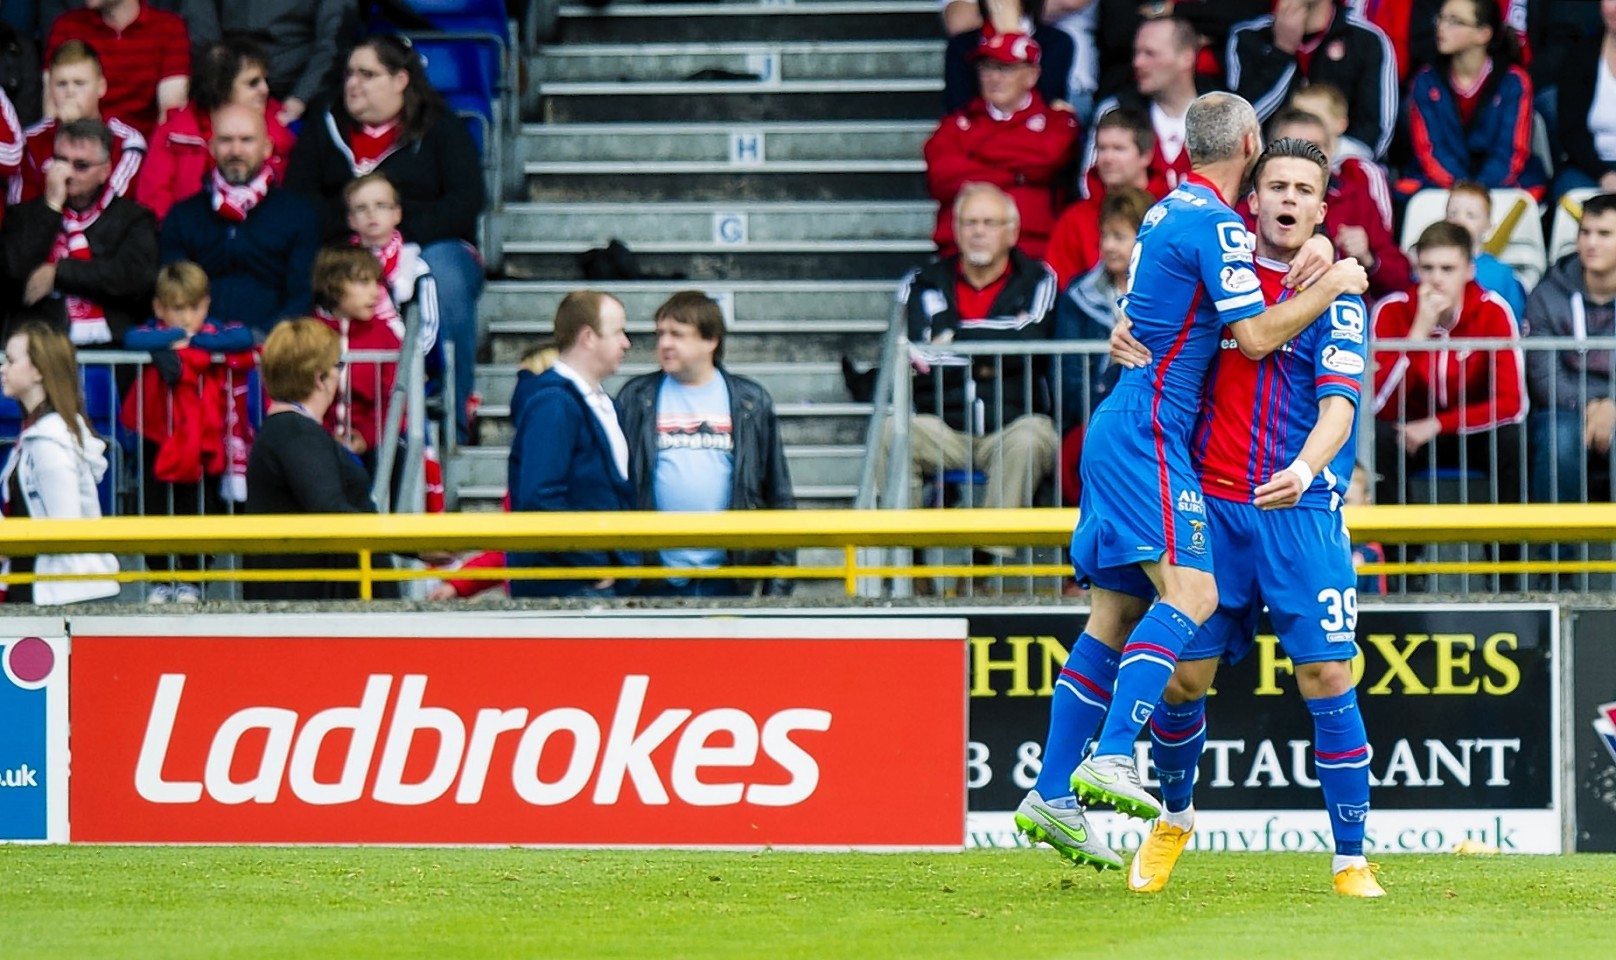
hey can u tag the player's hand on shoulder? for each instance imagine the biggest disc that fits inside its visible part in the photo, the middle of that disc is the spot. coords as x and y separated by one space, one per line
1350 277
1125 349
1311 262
1283 489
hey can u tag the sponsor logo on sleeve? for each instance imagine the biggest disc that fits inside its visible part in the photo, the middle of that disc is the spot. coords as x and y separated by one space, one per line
1346 322
1342 361
1239 280
1237 242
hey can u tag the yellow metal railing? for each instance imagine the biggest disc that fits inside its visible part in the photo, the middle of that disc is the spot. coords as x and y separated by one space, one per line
365 535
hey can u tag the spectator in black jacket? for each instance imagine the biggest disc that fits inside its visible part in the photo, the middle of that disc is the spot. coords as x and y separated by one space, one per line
703 439
390 120
992 416
78 256
1587 121
1318 41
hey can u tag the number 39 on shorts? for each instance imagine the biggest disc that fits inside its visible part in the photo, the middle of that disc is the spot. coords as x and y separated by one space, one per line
1340 609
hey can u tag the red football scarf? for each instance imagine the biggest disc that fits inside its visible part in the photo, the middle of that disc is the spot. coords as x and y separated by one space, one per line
233 202
86 321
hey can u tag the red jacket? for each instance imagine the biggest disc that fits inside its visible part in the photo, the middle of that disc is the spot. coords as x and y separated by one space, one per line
193 420
1023 156
177 160
1466 390
1074 247
128 150
365 387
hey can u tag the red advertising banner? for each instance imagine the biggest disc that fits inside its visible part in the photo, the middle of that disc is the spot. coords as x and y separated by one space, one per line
571 732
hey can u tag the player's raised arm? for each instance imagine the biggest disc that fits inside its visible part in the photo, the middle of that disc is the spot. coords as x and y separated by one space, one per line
1273 328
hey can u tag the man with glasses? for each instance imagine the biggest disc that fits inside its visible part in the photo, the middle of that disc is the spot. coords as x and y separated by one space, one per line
256 241
78 256
74 88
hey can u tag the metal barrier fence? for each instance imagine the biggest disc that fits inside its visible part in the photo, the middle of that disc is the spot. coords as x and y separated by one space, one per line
1442 421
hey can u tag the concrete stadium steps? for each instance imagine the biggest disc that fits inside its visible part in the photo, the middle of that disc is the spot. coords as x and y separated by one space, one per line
523 309
771 343
839 141
730 100
701 263
812 465
812 424
765 63
662 181
750 22
786 381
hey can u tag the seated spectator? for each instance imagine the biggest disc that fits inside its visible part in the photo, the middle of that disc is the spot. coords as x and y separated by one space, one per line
1470 112
374 213
1351 213
82 256
570 453
146 54
390 119
1088 310
1008 137
1352 169
299 38
74 88
1470 205
1573 415
702 439
296 466
190 412
1057 48
1123 146
989 291
55 465
255 241
1436 408
1165 85
347 298
1586 110
1271 58
179 160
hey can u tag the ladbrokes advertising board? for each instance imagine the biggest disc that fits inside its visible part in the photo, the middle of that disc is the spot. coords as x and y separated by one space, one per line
588 732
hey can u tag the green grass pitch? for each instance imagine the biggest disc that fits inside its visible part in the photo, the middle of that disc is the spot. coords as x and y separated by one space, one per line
182 902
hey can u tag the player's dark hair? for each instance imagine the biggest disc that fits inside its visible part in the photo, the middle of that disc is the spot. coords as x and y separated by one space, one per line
1445 234
1294 148
1133 121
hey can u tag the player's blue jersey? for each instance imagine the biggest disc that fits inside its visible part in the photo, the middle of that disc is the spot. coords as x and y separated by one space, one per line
1257 413
1191 274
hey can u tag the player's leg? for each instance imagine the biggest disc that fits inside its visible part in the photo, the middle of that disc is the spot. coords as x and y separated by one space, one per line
1341 760
1188 598
1177 735
1050 813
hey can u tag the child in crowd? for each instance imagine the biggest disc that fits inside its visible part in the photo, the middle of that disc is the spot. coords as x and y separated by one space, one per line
347 297
190 412
374 213
75 85
1470 205
1358 495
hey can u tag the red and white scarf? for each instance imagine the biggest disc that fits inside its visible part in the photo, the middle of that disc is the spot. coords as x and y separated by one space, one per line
370 145
86 321
234 202
390 255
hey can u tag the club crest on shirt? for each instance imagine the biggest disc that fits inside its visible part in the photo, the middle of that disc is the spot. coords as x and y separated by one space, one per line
1197 544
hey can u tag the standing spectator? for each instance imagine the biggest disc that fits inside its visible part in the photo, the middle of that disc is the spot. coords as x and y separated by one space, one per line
1573 411
989 291
1432 404
190 413
295 465
300 38
702 439
975 24
570 453
255 240
1008 137
53 470
347 293
1211 20
1352 169
374 212
390 119
82 256
1470 112
1470 205
1586 111
1270 58
75 86
146 54
1352 214
1123 146
1164 53
179 159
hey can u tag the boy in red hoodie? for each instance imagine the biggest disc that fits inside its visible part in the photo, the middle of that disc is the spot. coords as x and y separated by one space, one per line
347 297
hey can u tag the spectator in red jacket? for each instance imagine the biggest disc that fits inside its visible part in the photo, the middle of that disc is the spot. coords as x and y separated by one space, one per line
1123 146
178 160
1447 408
74 87
1351 214
347 293
146 53
1008 137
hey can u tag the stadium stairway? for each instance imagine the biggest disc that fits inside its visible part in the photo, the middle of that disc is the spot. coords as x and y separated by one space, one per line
768 154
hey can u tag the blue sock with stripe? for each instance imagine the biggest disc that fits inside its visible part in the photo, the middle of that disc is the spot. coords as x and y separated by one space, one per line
1082 696
1177 736
1341 757
1147 664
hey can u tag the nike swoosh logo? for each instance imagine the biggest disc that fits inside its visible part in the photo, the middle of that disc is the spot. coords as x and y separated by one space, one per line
1134 879
1079 835
1103 778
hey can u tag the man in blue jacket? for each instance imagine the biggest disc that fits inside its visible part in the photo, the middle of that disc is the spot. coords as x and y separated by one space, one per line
570 454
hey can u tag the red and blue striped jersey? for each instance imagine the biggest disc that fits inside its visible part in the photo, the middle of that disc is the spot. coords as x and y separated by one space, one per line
1257 413
1192 273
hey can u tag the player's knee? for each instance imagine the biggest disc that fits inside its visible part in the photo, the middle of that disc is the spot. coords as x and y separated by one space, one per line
1184 687
1196 599
1328 678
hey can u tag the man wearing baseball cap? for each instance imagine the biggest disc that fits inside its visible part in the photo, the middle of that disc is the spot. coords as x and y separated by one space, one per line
1008 137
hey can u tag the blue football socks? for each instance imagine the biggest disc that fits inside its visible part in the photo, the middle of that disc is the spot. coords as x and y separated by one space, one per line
1082 696
1147 664
1341 757
1177 735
